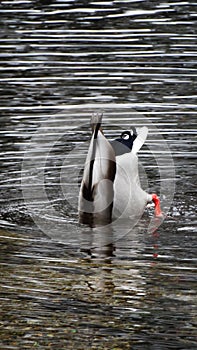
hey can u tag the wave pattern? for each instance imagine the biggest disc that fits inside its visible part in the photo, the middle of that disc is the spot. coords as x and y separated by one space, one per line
60 61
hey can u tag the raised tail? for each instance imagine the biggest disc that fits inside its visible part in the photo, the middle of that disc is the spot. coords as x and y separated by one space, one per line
96 193
96 121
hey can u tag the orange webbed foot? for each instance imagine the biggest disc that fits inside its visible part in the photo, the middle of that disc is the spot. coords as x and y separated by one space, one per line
156 200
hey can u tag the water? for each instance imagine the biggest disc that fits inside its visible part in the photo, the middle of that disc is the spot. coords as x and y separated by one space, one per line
120 287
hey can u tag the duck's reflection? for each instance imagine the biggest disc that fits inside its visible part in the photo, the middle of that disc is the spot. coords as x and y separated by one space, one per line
106 249
103 240
98 241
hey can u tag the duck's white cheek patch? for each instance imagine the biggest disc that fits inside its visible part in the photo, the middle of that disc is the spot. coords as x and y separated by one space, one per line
125 137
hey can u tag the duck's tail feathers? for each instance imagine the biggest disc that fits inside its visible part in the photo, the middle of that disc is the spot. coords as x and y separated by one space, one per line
140 139
96 121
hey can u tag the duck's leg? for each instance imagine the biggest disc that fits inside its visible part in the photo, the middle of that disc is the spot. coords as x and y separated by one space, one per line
156 200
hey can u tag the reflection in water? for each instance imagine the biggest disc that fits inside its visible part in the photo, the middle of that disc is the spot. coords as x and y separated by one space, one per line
123 296
121 287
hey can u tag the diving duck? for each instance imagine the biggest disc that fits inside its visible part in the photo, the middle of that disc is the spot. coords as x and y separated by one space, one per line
110 186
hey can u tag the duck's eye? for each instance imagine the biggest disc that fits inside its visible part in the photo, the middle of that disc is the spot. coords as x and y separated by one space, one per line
125 136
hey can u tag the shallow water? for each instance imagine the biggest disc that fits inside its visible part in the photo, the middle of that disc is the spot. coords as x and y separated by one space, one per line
119 287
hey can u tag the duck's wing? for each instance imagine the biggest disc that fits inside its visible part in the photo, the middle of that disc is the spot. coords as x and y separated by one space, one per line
96 193
140 139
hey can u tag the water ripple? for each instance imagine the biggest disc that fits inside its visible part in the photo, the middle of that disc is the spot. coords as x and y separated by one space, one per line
60 61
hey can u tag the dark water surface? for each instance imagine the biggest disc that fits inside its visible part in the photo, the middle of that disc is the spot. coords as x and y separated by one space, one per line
120 287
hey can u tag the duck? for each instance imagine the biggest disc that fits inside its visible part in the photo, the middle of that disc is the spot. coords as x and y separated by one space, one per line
110 186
